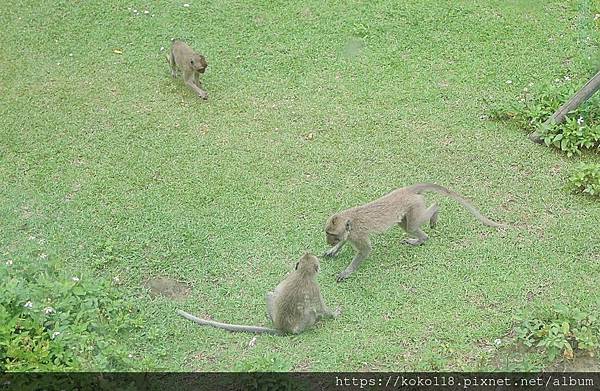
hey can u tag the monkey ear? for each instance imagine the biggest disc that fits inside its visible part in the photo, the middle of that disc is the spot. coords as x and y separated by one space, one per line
297 264
192 62
348 225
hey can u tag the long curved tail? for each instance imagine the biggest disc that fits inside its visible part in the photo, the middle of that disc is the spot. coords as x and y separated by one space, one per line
227 326
421 187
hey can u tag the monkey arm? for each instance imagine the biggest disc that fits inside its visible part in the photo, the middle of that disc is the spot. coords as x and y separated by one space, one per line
329 313
201 93
363 246
335 250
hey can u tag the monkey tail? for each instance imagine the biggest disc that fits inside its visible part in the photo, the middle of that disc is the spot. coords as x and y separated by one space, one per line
227 326
421 187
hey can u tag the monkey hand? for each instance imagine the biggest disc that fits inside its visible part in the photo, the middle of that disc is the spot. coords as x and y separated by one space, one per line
332 252
342 276
337 312
203 95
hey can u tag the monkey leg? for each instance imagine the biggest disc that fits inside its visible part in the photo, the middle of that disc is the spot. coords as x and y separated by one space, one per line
270 299
335 250
413 220
434 217
364 249
171 61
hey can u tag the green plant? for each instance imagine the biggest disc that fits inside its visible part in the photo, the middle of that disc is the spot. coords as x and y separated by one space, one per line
562 331
50 321
580 130
571 136
586 179
269 362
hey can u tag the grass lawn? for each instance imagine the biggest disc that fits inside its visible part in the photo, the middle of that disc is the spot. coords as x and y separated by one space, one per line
115 170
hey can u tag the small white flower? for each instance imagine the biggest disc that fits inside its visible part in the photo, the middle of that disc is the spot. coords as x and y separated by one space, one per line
48 310
557 80
43 256
162 48
530 84
70 54
498 342
29 304
76 279
186 5
597 16
580 121
135 11
509 82
567 78
252 342
31 237
525 89
55 334
130 355
9 262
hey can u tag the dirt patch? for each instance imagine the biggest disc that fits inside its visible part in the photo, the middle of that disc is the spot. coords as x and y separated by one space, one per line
583 363
167 287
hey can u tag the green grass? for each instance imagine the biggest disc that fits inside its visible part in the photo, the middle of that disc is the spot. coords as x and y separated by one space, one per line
123 172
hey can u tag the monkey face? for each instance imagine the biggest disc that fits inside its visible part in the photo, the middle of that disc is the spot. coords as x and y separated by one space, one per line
336 230
198 63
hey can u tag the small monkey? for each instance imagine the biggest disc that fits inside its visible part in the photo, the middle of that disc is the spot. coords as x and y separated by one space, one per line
295 305
191 63
404 206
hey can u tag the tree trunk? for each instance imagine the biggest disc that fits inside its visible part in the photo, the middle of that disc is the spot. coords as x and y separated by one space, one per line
581 96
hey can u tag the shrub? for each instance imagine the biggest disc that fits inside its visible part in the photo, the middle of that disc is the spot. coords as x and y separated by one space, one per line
562 331
50 321
580 130
586 179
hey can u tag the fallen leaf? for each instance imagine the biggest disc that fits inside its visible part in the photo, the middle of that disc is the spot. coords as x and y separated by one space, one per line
568 353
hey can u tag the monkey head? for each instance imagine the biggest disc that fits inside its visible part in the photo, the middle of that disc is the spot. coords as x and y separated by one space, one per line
337 229
308 264
198 63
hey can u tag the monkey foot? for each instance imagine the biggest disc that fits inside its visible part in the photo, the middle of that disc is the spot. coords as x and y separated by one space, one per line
413 242
330 254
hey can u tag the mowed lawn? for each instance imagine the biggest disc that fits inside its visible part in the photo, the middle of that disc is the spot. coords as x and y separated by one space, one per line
115 170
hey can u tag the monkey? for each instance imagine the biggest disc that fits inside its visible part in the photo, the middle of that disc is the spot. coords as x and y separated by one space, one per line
191 63
293 306
404 206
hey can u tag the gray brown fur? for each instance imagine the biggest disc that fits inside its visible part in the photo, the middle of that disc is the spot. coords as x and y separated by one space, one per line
295 305
404 206
192 64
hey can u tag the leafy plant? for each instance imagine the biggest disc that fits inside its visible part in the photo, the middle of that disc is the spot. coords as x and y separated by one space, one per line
586 179
562 331
571 136
50 321
580 130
